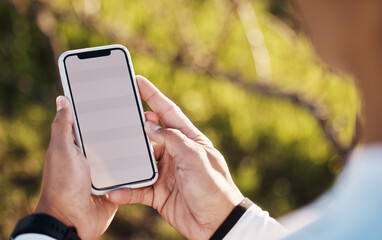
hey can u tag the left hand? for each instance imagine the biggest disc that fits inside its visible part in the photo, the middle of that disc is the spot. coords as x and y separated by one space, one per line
66 186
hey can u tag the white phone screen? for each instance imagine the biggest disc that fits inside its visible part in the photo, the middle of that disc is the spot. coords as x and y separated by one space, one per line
109 120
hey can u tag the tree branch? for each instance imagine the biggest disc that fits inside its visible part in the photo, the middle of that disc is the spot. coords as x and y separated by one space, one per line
207 66
319 112
255 39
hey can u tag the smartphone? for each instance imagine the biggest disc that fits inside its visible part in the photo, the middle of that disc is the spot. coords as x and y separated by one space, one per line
108 117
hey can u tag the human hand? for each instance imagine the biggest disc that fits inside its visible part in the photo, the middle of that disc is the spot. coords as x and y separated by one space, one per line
66 186
194 191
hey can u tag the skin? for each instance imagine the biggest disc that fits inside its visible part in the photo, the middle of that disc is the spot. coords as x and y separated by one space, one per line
195 191
65 192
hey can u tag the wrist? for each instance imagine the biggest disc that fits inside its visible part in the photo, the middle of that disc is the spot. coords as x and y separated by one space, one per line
44 225
224 203
227 204
231 220
51 211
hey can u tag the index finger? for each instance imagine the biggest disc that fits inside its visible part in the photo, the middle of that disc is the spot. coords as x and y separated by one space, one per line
170 114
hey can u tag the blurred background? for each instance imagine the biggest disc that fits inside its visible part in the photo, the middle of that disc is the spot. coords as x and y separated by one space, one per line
242 70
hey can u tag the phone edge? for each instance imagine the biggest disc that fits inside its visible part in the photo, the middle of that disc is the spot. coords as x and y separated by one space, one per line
65 86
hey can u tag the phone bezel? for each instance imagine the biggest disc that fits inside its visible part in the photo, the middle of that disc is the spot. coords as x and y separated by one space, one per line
67 91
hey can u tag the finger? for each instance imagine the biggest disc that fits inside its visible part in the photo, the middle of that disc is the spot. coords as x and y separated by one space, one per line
62 125
152 117
132 196
169 113
175 142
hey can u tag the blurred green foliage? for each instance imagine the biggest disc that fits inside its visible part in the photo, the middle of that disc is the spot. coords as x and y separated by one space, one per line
278 155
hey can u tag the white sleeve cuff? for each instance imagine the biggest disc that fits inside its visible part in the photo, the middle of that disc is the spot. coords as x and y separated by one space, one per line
33 236
256 224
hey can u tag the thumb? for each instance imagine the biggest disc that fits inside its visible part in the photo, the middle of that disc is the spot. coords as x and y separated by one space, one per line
173 141
62 125
155 132
124 196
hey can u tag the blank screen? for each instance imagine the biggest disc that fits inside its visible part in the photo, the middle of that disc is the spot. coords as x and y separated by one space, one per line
108 118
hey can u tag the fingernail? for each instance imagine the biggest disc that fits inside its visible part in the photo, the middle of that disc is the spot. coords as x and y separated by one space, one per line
152 126
60 102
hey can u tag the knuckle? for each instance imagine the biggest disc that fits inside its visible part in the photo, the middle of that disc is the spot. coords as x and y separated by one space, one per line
175 135
55 151
50 154
171 109
171 132
55 124
213 152
141 197
176 108
60 126
58 117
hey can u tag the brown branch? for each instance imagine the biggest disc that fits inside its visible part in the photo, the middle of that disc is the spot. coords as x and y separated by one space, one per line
196 49
255 38
45 20
114 34
319 112
225 27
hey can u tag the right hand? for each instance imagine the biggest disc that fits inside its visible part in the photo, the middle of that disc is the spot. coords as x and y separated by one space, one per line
194 191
